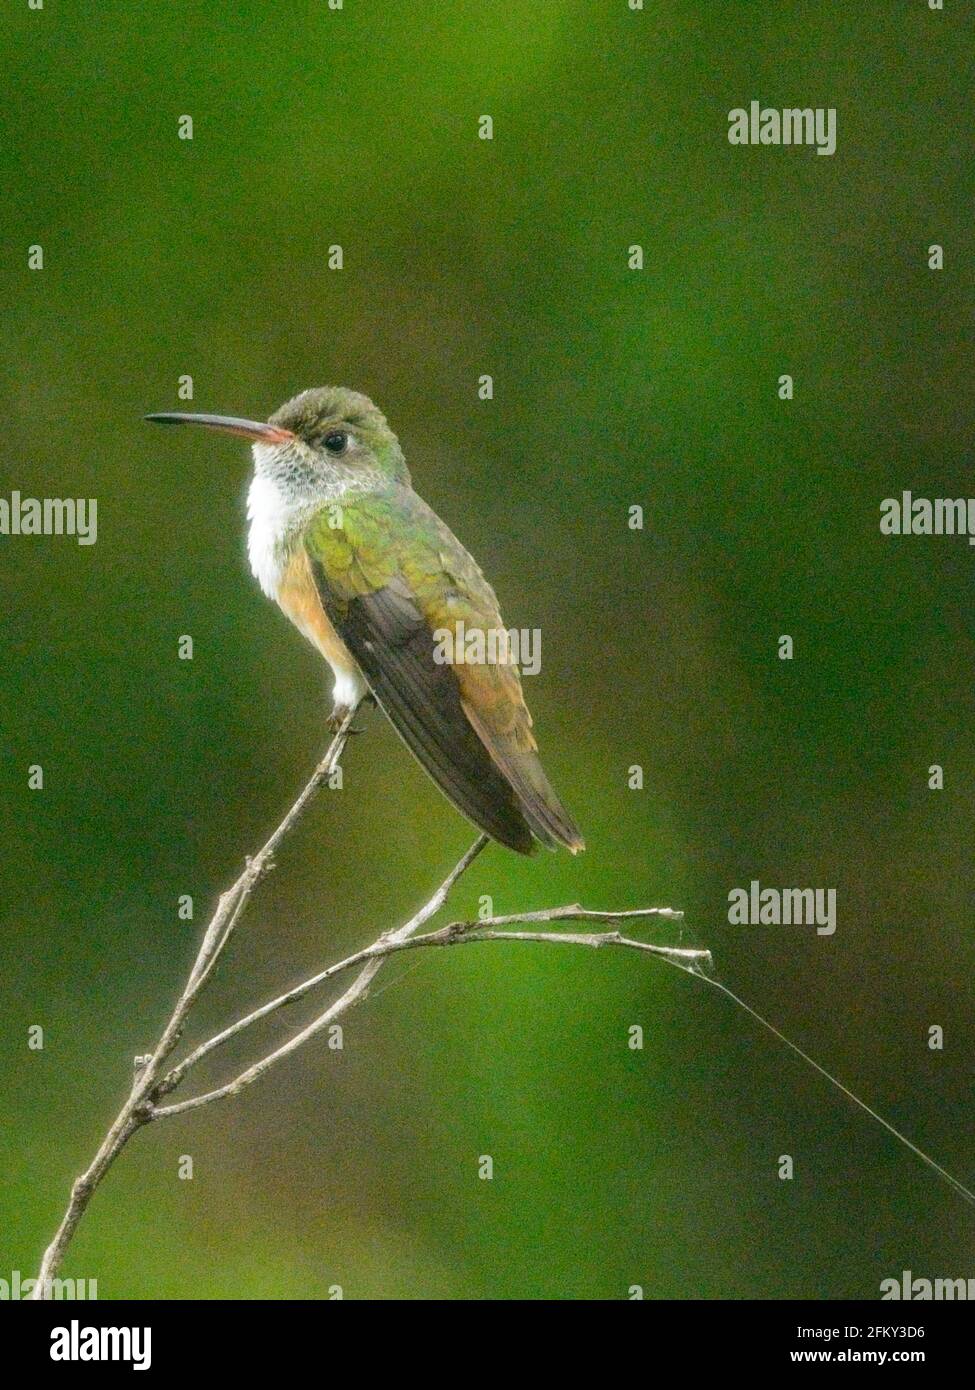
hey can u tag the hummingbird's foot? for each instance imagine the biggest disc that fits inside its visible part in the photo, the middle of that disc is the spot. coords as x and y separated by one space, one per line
337 718
341 712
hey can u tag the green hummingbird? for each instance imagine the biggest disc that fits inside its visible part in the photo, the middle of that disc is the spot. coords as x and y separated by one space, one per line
372 577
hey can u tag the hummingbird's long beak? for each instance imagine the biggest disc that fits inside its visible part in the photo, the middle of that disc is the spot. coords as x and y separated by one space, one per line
229 424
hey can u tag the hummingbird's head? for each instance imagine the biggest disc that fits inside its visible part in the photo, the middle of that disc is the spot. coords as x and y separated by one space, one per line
323 442
344 430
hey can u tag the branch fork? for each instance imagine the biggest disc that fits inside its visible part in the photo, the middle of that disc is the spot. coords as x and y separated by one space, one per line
154 1079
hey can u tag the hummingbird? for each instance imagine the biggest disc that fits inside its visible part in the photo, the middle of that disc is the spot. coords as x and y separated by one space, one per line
368 573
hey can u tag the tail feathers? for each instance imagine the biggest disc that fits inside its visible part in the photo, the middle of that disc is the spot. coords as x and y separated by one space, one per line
550 822
473 784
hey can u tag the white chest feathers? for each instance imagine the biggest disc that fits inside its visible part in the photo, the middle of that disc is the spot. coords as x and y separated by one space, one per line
271 521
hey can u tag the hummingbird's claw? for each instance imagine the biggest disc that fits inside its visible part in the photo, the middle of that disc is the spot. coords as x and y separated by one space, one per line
338 717
341 712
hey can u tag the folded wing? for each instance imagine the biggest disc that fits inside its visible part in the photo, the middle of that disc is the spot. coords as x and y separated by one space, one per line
390 577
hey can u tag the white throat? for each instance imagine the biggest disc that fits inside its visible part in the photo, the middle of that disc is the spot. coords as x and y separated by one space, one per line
275 523
272 523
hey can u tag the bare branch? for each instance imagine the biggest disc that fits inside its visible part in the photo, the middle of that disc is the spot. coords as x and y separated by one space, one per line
577 913
152 1082
394 942
455 934
138 1108
429 909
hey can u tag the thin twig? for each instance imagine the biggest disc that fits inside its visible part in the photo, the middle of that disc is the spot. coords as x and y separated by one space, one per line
455 934
152 1082
138 1108
398 941
429 909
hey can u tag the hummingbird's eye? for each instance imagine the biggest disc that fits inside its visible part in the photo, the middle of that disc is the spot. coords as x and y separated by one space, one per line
336 441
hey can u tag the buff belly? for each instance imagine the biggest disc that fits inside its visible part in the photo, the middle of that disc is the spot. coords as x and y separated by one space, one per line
298 599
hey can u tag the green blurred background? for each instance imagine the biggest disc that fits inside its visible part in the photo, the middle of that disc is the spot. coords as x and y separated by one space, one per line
612 388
